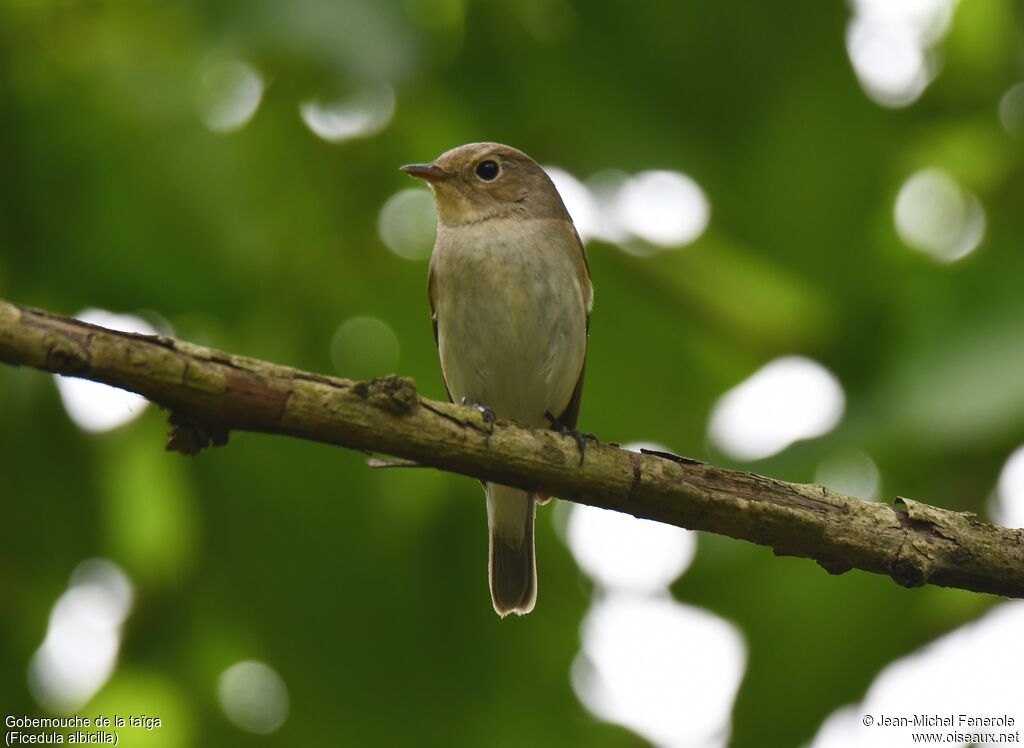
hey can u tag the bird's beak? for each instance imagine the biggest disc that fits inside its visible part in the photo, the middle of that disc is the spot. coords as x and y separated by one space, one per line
426 171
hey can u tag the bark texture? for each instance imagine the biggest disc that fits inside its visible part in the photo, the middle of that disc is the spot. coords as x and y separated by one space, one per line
210 393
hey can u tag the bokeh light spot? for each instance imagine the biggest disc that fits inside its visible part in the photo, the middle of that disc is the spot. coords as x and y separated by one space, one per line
850 472
578 201
253 696
359 115
622 552
605 187
1009 505
407 223
889 62
1011 110
665 208
83 637
99 407
935 216
642 214
889 43
364 347
668 671
228 94
789 399
970 671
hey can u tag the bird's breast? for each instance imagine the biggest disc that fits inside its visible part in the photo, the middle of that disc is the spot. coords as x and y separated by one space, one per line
511 315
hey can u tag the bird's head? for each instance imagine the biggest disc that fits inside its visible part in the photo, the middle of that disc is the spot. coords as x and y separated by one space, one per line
480 181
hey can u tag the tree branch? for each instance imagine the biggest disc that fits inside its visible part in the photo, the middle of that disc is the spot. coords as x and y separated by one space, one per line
210 393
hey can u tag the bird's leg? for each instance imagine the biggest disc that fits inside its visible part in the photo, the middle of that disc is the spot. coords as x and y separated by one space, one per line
581 437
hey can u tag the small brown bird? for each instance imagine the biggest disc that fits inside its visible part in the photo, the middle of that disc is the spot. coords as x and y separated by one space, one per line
510 296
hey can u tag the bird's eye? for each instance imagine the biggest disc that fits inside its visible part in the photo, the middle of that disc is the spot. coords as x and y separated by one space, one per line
488 170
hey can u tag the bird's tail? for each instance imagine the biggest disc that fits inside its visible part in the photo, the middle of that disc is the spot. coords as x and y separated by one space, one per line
512 568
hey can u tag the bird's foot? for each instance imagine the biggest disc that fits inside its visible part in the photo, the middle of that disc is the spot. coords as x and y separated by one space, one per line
485 412
581 437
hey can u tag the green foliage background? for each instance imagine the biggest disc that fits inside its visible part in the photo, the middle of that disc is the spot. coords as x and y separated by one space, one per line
366 590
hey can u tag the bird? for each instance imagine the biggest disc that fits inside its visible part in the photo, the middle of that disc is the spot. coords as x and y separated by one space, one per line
510 299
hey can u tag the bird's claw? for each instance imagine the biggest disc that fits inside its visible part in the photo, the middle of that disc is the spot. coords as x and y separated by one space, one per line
581 437
485 412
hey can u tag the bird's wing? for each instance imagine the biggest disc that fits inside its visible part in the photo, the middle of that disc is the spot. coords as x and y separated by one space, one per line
583 267
570 416
431 294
